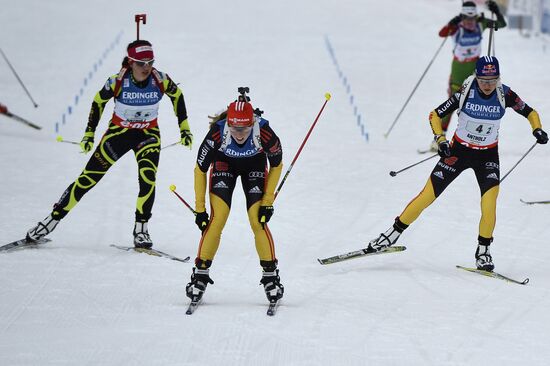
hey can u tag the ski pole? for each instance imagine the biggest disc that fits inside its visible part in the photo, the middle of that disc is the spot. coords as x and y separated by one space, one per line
491 32
140 18
172 144
327 98
415 87
394 173
18 78
535 202
519 161
18 119
173 189
60 139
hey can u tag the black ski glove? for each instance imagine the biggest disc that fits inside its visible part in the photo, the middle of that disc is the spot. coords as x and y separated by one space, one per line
540 135
493 7
444 149
264 214
202 220
455 20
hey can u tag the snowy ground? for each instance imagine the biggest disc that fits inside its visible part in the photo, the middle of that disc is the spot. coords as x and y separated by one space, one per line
77 300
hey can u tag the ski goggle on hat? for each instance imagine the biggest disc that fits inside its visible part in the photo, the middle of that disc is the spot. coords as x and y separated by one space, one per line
142 55
469 9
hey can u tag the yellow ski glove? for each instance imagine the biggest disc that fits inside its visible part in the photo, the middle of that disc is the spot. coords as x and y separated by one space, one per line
87 142
186 135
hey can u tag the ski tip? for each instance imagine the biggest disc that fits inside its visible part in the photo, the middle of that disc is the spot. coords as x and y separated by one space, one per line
183 260
272 309
525 281
422 152
397 248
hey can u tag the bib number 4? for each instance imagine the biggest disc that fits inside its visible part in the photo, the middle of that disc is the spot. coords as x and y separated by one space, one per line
487 131
479 128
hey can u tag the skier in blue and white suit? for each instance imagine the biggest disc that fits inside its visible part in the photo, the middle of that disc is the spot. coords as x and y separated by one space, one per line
481 102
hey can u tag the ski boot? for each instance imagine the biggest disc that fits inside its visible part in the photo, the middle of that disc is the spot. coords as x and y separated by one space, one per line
42 229
272 282
141 236
434 146
387 239
199 280
484 260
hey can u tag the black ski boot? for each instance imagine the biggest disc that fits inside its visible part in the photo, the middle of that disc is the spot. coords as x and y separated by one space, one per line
272 282
484 260
141 236
387 239
199 280
42 229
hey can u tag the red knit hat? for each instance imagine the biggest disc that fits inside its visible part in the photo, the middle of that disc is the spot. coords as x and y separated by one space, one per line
141 52
240 114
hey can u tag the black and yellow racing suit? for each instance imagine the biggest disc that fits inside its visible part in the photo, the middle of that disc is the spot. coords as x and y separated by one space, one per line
117 141
484 162
258 182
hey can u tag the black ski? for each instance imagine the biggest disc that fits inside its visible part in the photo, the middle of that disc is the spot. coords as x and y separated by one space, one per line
153 252
273 306
494 275
535 202
23 243
359 253
193 306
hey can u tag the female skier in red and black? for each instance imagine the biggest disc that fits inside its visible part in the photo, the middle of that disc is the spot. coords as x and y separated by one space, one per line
240 143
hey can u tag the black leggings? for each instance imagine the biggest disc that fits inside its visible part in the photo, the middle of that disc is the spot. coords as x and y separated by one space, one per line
485 164
225 172
116 142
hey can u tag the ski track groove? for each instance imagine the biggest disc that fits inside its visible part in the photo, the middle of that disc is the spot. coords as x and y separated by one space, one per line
464 347
20 309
